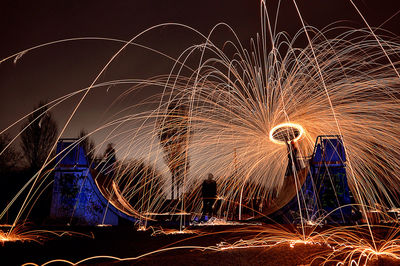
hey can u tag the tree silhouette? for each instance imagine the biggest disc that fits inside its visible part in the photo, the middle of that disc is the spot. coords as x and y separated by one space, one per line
140 183
174 136
109 154
38 136
9 157
88 145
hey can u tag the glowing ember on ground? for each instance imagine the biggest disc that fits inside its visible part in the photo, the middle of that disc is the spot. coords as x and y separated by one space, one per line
219 221
345 86
166 231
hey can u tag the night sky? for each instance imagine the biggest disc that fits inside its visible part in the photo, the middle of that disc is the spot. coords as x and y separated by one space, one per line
56 70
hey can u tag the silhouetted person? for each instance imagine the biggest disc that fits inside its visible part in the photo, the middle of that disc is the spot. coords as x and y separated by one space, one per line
295 152
292 158
209 193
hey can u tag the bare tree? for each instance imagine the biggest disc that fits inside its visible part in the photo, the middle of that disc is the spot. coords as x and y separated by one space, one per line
87 144
38 136
174 134
109 156
9 157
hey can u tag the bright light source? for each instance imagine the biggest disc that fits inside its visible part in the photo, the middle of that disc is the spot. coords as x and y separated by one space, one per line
286 132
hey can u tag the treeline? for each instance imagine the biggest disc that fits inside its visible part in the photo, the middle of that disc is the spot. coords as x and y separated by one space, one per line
35 151
37 144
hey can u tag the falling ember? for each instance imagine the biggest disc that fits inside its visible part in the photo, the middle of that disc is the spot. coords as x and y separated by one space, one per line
166 231
18 234
214 117
229 110
286 132
4 237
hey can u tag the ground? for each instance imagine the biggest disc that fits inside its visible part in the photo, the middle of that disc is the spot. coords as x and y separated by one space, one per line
126 242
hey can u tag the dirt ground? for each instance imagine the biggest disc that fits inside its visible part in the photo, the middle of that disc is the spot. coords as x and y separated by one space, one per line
126 242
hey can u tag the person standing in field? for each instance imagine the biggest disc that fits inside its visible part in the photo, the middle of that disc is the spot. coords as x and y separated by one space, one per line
209 195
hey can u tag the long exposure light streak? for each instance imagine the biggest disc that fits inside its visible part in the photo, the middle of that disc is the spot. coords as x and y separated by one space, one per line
225 114
288 127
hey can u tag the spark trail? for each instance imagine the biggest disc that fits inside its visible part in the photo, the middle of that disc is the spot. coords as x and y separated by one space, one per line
235 100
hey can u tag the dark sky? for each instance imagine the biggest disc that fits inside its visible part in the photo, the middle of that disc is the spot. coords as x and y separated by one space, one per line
54 71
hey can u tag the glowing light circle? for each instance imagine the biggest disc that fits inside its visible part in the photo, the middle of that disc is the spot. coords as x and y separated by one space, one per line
286 132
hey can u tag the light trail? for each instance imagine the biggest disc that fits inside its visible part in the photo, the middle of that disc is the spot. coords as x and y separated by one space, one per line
235 101
292 129
20 233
